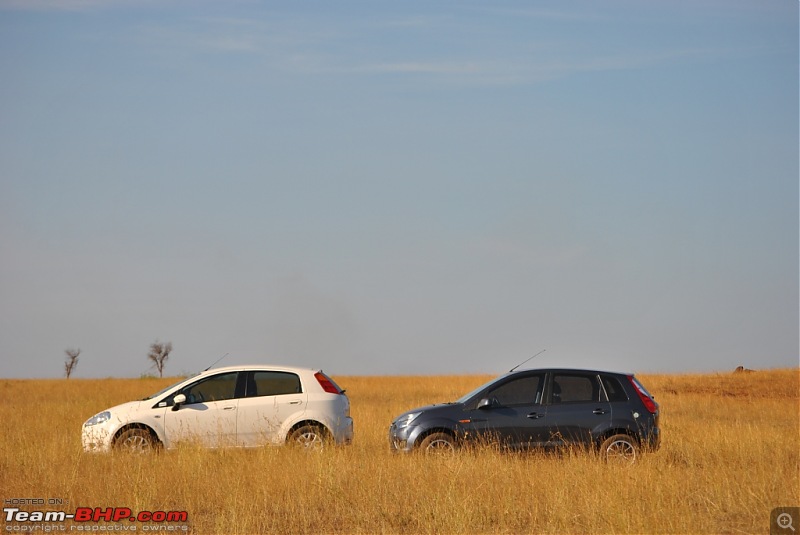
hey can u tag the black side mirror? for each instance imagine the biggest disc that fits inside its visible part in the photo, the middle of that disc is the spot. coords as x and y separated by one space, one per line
486 403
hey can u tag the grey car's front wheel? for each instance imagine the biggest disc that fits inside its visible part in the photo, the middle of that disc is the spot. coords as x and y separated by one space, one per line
438 443
620 449
135 440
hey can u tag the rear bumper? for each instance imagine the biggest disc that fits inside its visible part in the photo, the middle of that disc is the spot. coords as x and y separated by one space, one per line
343 434
653 440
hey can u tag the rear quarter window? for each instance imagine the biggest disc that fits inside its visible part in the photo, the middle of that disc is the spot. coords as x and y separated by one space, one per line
270 383
613 388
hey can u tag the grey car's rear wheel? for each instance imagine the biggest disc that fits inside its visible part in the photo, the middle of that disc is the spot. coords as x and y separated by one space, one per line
308 436
620 449
438 443
135 440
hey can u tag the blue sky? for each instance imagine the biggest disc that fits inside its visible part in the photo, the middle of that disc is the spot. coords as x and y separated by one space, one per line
398 187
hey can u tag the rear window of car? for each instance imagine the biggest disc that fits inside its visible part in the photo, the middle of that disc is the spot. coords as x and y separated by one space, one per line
613 388
570 388
270 383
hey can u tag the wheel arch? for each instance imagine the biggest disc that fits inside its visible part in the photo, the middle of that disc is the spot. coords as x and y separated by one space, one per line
136 425
611 431
308 421
434 429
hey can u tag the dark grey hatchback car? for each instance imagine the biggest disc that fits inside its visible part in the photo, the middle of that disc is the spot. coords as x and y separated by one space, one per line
546 408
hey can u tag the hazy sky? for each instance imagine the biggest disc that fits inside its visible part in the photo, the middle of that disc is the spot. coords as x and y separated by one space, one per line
406 187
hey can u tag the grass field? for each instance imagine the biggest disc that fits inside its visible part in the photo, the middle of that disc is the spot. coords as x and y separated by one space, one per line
730 454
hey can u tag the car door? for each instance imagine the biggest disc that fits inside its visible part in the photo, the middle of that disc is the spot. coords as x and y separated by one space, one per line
271 397
621 414
512 411
208 416
576 407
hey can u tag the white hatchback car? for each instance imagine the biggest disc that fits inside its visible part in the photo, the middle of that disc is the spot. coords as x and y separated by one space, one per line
245 406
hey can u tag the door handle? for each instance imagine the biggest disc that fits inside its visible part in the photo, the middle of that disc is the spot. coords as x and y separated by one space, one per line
228 408
599 411
295 402
535 415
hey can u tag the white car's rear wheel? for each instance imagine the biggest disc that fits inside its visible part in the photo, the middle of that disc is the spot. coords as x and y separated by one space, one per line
308 436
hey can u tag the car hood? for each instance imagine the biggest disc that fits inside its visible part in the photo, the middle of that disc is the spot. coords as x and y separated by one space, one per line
126 409
431 409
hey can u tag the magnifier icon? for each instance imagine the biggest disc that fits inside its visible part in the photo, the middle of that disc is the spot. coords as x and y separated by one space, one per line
785 521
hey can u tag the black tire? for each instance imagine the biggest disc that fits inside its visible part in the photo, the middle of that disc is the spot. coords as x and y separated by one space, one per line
135 440
438 443
621 449
308 436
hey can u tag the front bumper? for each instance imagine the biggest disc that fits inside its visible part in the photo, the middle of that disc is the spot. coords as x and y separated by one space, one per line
96 439
401 438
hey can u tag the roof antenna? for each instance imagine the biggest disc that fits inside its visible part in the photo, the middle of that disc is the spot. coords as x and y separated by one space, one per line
524 361
222 357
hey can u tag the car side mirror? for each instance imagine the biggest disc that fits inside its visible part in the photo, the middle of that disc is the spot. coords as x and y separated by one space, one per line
177 400
486 403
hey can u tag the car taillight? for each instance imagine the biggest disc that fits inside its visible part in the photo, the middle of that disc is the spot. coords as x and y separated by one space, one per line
649 404
327 383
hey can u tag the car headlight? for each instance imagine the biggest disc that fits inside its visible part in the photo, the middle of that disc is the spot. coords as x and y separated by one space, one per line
406 419
98 418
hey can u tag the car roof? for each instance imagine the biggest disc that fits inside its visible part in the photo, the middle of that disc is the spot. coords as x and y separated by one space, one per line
268 367
583 370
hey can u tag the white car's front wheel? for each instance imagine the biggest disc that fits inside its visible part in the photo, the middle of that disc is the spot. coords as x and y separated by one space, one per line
135 440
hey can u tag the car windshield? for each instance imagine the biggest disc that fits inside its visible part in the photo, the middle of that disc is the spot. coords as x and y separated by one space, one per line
157 394
466 397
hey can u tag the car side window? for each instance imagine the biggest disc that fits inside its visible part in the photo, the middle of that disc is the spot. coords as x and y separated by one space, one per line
216 388
268 383
572 388
522 391
613 389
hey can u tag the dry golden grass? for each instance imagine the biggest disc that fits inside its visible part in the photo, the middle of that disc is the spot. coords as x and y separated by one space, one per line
730 453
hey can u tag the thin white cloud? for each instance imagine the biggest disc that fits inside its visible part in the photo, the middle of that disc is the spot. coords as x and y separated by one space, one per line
511 71
66 5
91 5
422 67
304 47
234 44
243 35
544 14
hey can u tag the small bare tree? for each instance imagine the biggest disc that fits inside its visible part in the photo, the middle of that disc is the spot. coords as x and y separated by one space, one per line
71 361
159 353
